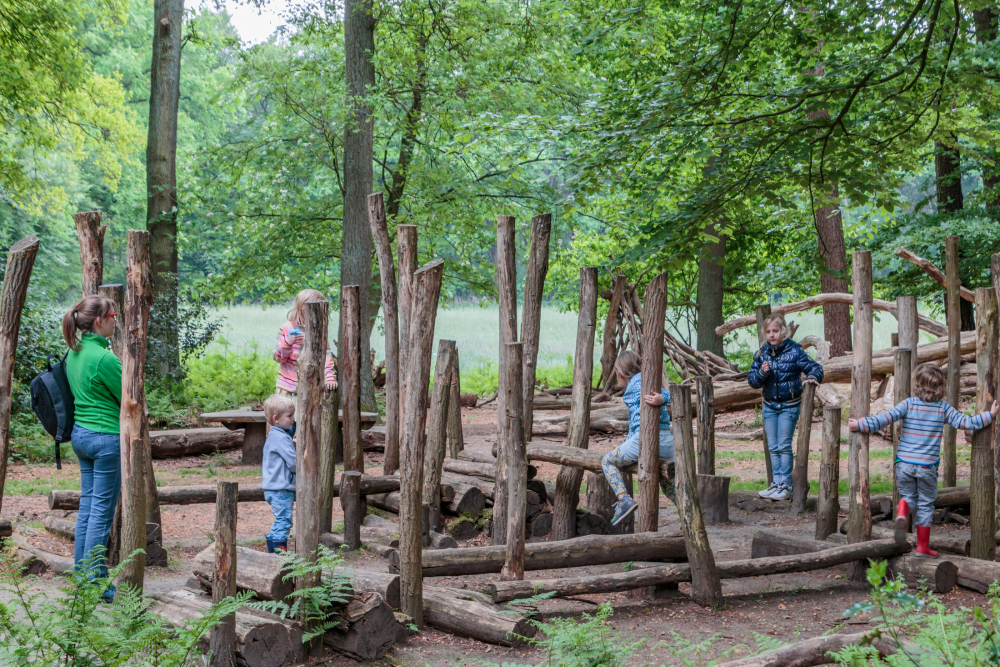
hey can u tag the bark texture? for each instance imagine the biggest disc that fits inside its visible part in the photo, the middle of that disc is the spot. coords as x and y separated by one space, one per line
517 466
711 266
982 517
223 635
534 289
953 306
90 233
828 505
390 315
833 254
861 380
437 433
506 261
653 314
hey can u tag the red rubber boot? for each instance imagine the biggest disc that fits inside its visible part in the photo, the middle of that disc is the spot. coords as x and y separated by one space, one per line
924 542
902 516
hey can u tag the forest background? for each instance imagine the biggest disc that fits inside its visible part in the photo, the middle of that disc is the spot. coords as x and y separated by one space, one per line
746 147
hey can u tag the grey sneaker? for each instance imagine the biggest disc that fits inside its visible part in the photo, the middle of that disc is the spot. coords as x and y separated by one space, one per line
624 507
783 493
768 492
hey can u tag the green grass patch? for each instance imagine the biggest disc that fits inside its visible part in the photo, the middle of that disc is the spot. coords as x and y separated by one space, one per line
878 484
40 486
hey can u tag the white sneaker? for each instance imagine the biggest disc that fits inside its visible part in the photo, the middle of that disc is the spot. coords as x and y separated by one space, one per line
768 492
783 493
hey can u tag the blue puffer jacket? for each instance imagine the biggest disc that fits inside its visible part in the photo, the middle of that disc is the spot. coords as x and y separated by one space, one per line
783 382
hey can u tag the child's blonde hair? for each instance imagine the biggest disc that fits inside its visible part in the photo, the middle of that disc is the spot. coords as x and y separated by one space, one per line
628 364
929 383
296 314
277 404
780 319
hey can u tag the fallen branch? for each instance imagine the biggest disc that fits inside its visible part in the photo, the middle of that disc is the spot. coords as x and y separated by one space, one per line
813 651
934 272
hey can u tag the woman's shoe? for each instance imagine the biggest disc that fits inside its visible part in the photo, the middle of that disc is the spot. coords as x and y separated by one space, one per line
902 517
783 492
924 542
768 492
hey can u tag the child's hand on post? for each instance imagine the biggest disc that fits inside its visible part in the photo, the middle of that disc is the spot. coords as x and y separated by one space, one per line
654 399
994 409
331 384
765 368
852 424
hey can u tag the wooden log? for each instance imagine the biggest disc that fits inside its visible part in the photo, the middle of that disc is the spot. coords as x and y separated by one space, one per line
460 466
761 312
34 560
953 310
375 523
937 575
861 380
507 301
353 507
193 441
223 634
828 505
680 572
800 470
517 464
902 389
452 611
328 456
90 233
456 439
58 526
814 651
767 544
983 499
995 272
974 573
350 390
406 253
926 324
368 629
437 434
17 275
134 422
390 315
426 285
706 589
706 425
582 458
654 310
256 571
531 319
713 495
934 272
568 481
370 581
115 292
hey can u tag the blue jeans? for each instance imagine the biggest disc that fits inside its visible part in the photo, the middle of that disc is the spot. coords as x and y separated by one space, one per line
779 426
100 483
281 506
627 453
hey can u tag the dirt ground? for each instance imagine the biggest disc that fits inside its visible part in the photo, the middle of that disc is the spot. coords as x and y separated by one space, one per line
760 612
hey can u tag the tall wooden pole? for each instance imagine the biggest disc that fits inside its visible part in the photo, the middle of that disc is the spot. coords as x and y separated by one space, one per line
902 388
353 504
390 315
329 440
762 312
20 261
953 316
406 253
456 439
507 298
350 354
860 529
223 634
908 338
308 415
706 588
828 506
800 471
706 425
426 291
995 272
654 311
982 514
568 480
909 333
531 321
116 292
90 232
517 467
134 422
610 329
437 433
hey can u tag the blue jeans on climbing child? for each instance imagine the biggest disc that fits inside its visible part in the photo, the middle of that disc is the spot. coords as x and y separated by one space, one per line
779 426
281 506
100 483
627 453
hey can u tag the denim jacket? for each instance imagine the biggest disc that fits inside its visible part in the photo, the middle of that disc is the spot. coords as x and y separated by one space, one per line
633 399
783 382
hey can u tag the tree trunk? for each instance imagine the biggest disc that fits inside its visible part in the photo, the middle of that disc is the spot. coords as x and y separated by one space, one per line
828 506
390 314
706 425
861 381
456 439
654 311
454 612
902 390
992 388
833 254
711 266
800 470
437 433
20 261
953 304
983 502
329 442
517 466
534 290
353 365
223 641
134 422
986 21
161 180
608 355
90 233
949 198
568 481
353 506
406 251
506 260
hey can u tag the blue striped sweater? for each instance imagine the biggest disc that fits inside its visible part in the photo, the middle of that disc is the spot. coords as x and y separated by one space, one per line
923 422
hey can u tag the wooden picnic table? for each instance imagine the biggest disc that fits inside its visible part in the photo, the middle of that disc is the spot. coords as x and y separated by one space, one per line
255 428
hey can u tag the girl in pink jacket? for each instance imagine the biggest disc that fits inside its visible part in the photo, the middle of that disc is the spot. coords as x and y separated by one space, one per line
290 343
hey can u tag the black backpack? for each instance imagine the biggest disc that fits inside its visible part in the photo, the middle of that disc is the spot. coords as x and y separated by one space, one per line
52 401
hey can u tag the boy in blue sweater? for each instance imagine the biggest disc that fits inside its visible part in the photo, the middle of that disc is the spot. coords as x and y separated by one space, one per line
919 448
278 468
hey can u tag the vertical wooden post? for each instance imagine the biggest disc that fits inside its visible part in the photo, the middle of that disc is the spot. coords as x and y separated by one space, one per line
860 529
706 425
706 588
390 315
517 467
909 333
353 506
116 292
568 480
654 311
800 469
610 329
90 232
329 440
223 636
437 433
953 318
134 422
828 506
982 514
406 254
350 353
531 321
308 415
426 290
20 260
995 272
507 299
456 439
762 312
902 387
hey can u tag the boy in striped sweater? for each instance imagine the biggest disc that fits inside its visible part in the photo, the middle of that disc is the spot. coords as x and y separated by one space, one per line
919 449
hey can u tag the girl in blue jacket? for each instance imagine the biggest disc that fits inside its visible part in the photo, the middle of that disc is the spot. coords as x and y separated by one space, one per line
777 371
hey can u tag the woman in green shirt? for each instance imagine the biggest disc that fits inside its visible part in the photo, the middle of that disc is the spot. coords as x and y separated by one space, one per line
95 376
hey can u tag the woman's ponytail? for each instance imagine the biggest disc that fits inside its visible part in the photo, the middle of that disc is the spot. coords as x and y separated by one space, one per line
82 315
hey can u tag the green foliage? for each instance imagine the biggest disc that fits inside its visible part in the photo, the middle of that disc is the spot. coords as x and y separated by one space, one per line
484 377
